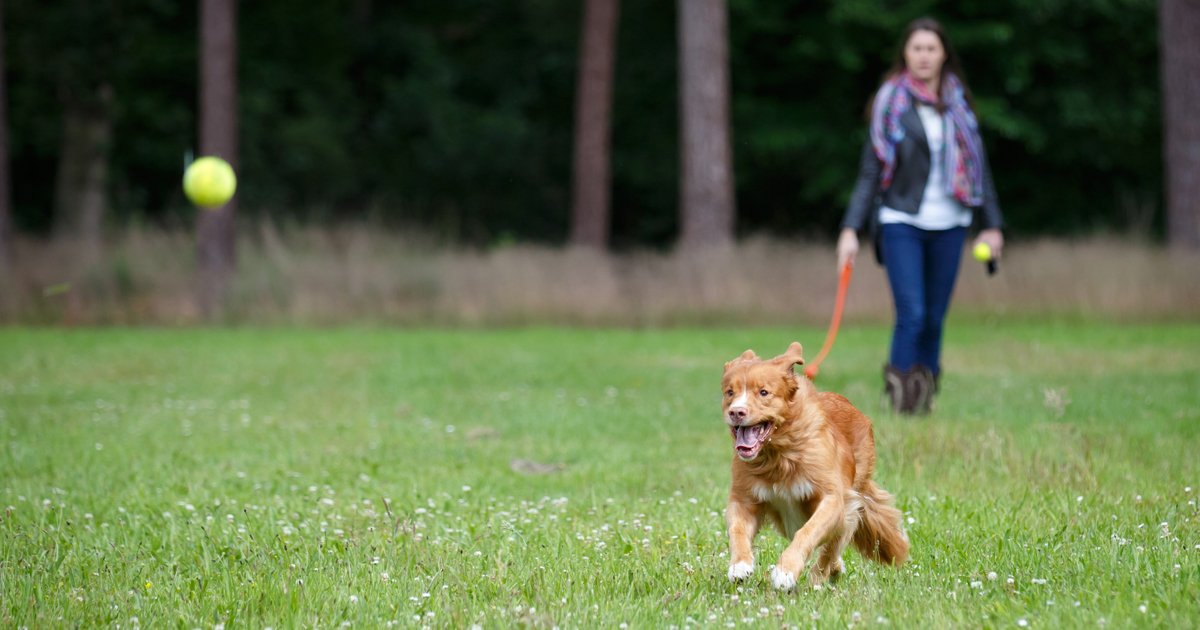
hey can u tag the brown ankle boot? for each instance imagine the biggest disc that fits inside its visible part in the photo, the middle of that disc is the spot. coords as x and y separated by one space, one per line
923 385
908 391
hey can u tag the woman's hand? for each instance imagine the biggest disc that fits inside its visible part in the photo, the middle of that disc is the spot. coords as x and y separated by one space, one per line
995 240
847 248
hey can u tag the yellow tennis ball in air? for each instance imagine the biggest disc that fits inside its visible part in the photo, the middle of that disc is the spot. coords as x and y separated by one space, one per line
209 182
982 252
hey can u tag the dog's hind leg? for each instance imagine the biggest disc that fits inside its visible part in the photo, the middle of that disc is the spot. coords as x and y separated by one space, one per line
826 523
829 567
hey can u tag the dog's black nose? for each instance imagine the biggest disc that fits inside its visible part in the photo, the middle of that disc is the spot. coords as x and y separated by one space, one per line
737 414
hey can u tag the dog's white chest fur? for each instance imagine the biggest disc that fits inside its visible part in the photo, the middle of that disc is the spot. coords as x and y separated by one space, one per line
786 500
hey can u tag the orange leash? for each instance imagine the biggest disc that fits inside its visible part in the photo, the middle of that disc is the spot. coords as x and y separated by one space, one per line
811 369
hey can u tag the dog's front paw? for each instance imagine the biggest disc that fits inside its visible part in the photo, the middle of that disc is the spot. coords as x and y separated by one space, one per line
783 580
740 571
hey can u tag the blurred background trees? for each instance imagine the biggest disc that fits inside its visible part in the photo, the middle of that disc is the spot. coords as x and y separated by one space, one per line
5 183
1180 20
458 116
590 179
706 202
217 135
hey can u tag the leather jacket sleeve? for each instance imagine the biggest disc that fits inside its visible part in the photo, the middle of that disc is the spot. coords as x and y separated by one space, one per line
866 189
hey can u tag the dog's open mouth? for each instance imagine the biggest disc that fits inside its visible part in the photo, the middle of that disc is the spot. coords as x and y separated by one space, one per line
749 440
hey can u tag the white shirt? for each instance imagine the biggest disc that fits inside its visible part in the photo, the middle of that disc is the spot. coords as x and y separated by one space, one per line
939 209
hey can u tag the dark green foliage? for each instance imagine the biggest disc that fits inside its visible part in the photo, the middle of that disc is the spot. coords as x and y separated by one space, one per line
456 115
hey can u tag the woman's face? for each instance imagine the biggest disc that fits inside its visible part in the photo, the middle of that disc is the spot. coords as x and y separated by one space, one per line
924 55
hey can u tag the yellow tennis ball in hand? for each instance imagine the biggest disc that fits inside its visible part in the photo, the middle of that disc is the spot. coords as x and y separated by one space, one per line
209 182
982 252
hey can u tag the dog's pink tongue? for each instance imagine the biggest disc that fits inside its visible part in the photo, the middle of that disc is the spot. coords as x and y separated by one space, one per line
747 436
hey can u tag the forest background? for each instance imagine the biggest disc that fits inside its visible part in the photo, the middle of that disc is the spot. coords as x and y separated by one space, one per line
452 121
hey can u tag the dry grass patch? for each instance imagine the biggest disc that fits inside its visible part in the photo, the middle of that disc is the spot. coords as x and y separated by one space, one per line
363 274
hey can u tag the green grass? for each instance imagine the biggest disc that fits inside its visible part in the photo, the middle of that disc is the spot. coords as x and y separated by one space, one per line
310 477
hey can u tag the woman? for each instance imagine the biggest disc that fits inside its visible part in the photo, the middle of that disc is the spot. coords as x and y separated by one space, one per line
923 180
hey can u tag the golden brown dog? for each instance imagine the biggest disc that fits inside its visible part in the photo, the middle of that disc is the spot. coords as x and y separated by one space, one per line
803 462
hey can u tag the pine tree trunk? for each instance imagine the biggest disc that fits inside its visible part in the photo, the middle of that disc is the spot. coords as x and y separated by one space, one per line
6 255
706 179
1180 48
218 136
590 211
81 184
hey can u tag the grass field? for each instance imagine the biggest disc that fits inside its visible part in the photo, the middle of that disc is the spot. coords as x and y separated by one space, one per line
574 478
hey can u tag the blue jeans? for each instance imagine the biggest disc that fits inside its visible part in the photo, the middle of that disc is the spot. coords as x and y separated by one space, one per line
922 266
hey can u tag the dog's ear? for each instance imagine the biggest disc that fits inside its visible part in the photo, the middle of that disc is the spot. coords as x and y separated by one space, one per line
793 357
748 355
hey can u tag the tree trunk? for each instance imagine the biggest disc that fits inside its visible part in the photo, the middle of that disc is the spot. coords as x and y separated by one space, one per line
218 136
81 184
590 211
5 187
1179 30
706 179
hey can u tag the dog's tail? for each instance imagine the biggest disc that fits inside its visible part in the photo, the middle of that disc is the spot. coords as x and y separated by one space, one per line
880 536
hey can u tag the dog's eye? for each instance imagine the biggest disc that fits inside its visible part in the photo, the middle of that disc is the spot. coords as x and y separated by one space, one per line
763 392
729 392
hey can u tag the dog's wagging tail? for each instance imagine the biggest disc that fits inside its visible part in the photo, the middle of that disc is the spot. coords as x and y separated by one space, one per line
803 462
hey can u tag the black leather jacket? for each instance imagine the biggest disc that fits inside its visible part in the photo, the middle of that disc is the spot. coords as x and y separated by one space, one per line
908 182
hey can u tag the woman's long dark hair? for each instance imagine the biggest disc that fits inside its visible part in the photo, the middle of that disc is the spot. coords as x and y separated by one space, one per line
950 65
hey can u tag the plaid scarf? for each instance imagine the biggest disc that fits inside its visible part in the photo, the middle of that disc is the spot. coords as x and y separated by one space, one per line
961 160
